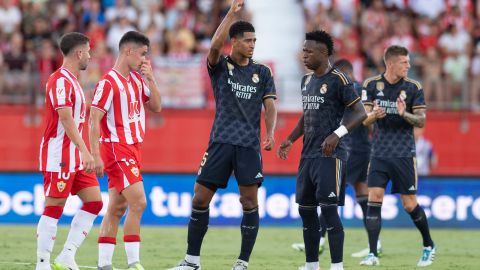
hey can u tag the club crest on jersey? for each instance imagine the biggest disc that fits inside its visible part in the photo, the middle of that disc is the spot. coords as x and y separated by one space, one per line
61 186
135 171
230 69
364 95
380 86
255 78
403 95
60 92
323 89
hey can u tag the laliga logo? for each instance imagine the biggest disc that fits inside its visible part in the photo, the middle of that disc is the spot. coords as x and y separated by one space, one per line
133 110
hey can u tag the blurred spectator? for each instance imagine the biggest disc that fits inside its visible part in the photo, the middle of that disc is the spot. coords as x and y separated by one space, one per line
425 155
93 14
116 31
430 8
121 11
17 69
475 86
10 17
431 69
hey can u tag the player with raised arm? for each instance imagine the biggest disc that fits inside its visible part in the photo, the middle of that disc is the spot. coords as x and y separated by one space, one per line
241 86
65 161
396 105
326 94
117 129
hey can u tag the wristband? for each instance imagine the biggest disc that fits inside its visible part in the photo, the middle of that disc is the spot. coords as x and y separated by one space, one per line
341 131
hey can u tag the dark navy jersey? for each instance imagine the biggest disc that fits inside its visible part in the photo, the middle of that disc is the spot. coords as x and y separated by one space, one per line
324 100
358 140
393 135
239 94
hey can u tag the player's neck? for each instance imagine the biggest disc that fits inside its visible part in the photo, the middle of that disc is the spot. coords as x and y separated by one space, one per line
239 60
391 78
122 68
323 69
72 68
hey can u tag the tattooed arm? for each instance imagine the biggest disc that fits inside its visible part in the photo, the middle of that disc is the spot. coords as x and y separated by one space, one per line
416 119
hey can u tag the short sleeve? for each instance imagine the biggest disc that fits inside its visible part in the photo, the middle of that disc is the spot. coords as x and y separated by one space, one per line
103 97
368 94
348 95
213 69
61 93
269 86
419 100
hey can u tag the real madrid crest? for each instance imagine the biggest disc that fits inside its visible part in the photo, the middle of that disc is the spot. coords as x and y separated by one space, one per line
61 186
230 68
255 78
135 171
403 95
380 86
323 89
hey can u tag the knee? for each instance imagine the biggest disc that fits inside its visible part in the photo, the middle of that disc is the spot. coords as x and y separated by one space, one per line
138 206
93 207
118 210
248 202
308 212
200 202
409 206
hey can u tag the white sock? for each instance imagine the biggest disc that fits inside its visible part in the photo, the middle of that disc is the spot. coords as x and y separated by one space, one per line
81 224
133 252
192 259
46 234
336 266
322 241
312 266
379 245
105 254
242 261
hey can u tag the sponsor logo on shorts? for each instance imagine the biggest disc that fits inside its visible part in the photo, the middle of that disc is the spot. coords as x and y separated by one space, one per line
135 171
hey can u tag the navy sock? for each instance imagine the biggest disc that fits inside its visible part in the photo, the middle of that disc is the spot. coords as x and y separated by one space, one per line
420 219
311 231
323 225
249 230
362 201
374 224
197 228
335 231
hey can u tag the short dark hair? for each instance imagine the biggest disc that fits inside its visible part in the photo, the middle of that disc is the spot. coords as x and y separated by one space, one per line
343 64
135 37
71 40
394 50
321 36
240 27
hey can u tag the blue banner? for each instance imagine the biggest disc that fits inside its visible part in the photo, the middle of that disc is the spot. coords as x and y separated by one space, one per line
448 202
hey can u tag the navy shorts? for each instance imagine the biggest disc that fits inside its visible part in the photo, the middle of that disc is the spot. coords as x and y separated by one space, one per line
357 167
402 171
221 159
320 181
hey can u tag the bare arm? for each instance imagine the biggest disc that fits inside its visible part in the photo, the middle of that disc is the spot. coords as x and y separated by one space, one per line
222 31
94 135
155 101
374 113
71 129
270 123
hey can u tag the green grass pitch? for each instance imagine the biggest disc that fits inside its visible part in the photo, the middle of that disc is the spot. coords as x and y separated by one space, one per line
163 247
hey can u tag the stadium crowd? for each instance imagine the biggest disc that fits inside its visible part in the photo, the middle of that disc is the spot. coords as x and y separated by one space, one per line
442 35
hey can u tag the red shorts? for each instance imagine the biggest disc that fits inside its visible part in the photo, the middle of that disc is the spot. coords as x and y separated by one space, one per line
122 164
61 184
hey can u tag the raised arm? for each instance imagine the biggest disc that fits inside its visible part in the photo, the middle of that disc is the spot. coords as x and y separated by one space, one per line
94 135
222 31
270 123
65 117
287 144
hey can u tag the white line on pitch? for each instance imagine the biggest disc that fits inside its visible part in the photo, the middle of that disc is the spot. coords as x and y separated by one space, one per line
29 263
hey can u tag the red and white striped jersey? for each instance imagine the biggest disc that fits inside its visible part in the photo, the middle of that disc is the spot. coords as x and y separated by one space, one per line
57 151
122 99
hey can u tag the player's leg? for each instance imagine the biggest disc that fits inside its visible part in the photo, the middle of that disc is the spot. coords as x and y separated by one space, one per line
306 199
86 187
330 176
57 189
214 172
378 178
405 180
117 205
323 233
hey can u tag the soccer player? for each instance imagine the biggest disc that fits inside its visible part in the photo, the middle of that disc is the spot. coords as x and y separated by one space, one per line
117 130
396 105
358 144
65 161
241 86
326 94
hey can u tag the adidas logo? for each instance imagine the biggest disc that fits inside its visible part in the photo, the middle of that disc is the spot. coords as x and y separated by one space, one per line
380 94
259 175
332 195
412 188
